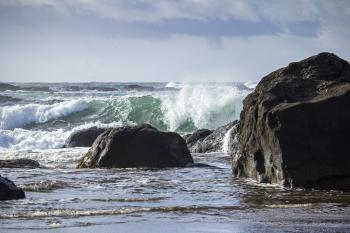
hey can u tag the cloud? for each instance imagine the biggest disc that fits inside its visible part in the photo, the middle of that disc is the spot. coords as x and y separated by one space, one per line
140 10
195 40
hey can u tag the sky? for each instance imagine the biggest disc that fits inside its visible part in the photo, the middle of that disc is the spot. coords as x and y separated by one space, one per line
161 41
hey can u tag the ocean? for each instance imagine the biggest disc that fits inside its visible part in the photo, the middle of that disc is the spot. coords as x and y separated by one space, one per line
37 119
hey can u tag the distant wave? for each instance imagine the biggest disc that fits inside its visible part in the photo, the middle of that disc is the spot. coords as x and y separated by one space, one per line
250 85
174 85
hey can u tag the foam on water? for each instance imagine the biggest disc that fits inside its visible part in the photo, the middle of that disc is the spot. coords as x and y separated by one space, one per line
54 158
23 139
20 115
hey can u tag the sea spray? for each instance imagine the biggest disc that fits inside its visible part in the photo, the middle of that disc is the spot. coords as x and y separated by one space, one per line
202 106
24 139
226 140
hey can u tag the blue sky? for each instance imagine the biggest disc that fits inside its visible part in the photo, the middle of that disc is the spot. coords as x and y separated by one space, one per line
182 40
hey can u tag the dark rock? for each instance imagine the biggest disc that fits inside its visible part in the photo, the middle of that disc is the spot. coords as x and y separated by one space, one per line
19 163
197 137
137 146
84 137
294 127
9 191
214 141
134 87
8 87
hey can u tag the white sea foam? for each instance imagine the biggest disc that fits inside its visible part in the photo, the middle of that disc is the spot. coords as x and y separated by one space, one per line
174 85
207 106
58 158
250 85
19 115
23 139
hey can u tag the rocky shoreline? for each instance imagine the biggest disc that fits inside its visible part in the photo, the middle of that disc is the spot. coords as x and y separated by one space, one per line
292 132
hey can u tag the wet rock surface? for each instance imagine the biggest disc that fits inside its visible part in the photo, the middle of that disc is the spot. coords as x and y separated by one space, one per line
203 141
294 127
84 137
137 146
9 191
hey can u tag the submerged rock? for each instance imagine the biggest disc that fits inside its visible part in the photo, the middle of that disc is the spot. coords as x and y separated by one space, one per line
19 163
84 137
9 191
213 141
294 127
137 146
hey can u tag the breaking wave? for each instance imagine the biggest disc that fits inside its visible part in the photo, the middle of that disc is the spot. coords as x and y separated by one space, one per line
47 126
20 115
24 139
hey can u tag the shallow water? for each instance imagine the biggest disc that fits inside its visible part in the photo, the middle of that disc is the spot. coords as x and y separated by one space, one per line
158 200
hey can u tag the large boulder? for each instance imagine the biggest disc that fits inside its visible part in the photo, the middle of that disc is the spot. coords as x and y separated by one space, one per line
9 191
84 137
294 128
215 141
19 163
137 146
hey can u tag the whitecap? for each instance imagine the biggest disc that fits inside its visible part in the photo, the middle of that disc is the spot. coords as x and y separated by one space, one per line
17 116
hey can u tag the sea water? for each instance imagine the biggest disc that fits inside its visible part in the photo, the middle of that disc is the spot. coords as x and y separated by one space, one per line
61 198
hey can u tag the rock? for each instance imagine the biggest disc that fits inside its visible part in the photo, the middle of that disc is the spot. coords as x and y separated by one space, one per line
19 163
214 141
137 146
9 191
294 128
84 137
195 139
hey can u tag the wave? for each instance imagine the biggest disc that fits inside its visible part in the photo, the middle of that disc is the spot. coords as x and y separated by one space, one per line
250 85
43 186
202 106
118 211
24 139
44 126
20 115
174 85
190 108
